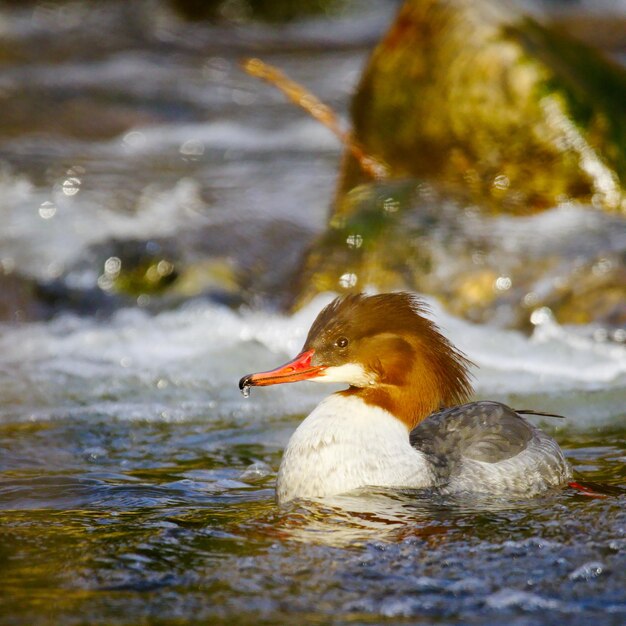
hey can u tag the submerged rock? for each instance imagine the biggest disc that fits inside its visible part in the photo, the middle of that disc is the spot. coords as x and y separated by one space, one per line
569 261
250 262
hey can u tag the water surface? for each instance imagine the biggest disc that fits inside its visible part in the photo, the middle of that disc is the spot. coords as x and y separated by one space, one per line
136 483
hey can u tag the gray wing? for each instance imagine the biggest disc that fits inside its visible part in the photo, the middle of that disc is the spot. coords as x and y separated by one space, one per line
481 431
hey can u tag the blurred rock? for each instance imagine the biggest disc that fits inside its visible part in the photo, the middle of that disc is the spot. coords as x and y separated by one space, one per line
251 262
493 108
240 10
483 112
19 302
405 235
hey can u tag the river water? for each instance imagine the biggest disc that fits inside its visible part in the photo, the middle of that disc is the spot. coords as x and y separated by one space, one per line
136 483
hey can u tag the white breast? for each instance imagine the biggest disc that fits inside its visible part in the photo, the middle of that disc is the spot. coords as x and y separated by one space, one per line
345 444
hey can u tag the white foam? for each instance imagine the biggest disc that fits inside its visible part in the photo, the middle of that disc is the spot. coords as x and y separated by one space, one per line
305 135
45 247
191 359
552 359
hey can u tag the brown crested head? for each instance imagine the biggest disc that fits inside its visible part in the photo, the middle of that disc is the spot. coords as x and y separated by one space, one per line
390 354
386 349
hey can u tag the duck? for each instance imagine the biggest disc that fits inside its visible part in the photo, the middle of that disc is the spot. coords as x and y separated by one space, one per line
405 420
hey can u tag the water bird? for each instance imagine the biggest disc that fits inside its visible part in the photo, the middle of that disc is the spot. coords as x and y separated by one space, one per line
404 421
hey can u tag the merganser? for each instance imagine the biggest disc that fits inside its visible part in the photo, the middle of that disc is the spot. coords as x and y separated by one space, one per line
401 422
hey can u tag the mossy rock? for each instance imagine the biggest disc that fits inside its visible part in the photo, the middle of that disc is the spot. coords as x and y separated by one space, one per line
489 269
480 110
493 108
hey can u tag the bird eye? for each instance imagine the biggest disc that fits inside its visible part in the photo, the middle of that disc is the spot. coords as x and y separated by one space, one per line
342 342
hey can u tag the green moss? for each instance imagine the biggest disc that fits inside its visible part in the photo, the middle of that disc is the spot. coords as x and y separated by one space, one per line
149 276
593 87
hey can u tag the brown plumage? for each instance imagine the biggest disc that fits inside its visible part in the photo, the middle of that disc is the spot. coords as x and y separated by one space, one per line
389 335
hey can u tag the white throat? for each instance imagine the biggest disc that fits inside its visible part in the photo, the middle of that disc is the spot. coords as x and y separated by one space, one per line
345 444
351 373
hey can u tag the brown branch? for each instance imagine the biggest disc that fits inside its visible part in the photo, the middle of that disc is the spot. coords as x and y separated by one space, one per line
317 109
